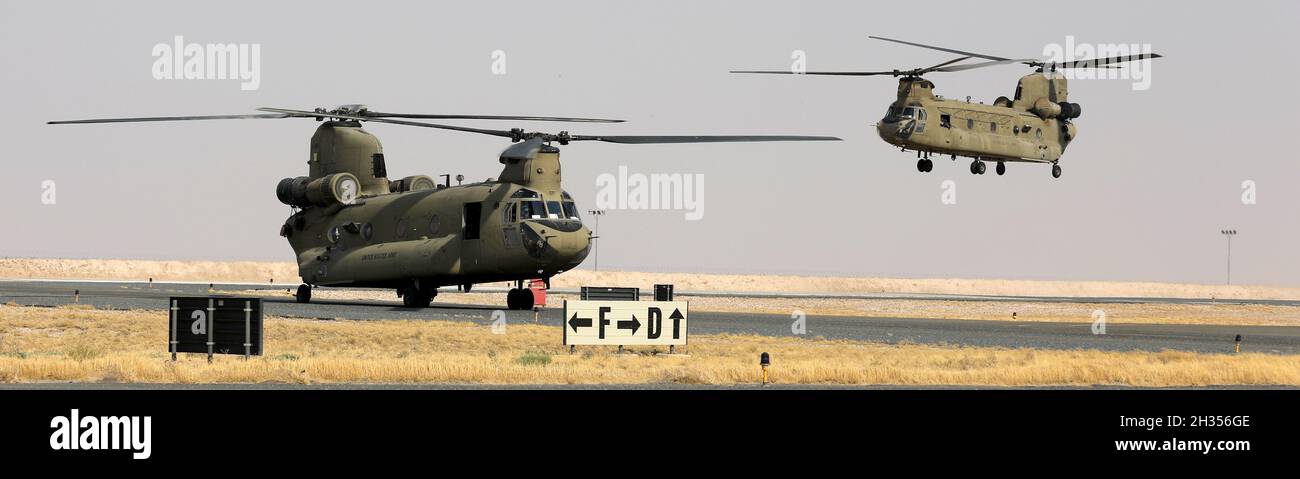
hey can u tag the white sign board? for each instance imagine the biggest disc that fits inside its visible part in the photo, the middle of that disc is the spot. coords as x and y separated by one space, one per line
625 323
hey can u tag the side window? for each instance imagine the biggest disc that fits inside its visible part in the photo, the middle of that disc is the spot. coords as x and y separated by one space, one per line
1039 133
945 121
470 220
993 126
970 124
510 211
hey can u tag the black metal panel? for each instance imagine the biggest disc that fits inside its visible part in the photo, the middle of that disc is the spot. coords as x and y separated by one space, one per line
227 322
593 293
663 292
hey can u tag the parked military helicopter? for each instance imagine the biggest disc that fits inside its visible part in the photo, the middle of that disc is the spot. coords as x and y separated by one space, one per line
1034 127
351 226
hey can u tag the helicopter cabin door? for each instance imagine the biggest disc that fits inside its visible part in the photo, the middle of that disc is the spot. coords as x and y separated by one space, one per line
471 232
510 225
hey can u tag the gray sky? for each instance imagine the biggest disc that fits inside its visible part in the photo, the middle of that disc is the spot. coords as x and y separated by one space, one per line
1152 178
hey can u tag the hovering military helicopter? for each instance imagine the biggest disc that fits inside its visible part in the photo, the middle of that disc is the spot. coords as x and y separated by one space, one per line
1034 127
351 226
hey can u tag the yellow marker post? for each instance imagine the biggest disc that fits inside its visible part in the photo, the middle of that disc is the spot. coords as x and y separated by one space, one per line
1238 342
764 360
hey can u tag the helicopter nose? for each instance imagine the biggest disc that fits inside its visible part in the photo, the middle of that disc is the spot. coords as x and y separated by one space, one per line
557 249
886 130
573 246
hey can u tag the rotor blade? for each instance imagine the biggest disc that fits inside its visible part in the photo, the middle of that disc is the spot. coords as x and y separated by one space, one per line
949 62
949 50
502 133
972 66
563 137
645 140
1104 62
378 114
787 72
169 118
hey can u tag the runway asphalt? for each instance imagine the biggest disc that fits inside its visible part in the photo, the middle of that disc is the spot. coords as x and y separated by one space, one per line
1066 336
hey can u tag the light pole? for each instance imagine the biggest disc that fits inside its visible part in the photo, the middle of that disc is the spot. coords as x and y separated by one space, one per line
595 235
1229 234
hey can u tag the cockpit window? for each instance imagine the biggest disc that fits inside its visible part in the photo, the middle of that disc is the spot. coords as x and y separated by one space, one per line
525 193
554 210
532 210
571 210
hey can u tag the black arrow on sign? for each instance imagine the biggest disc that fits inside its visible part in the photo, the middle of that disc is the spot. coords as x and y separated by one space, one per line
575 322
677 322
633 324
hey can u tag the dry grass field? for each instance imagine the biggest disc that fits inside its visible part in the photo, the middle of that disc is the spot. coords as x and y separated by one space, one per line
82 344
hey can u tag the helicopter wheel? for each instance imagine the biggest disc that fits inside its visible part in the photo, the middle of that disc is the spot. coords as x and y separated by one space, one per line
413 297
924 165
1001 169
519 299
304 293
978 167
1056 170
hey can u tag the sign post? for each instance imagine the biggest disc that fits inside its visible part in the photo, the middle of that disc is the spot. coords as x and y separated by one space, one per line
172 344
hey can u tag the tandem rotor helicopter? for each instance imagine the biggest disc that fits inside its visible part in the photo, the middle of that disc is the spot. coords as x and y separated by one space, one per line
1034 127
353 227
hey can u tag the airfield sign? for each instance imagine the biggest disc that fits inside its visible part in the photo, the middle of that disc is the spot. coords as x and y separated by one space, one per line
216 325
625 323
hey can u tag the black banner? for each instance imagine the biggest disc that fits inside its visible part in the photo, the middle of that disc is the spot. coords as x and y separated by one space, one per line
325 427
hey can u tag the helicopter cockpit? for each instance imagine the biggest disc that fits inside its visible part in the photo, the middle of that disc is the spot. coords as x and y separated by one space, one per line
529 205
896 114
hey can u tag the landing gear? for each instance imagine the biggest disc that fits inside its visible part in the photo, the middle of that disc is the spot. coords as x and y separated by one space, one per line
414 296
304 293
978 167
924 165
519 299
1002 168
1056 170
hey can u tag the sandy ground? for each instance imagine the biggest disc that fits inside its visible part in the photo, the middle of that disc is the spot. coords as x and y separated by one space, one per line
86 345
1226 314
286 272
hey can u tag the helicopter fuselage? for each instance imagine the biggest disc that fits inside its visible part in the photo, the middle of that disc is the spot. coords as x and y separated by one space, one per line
1026 129
477 233
353 227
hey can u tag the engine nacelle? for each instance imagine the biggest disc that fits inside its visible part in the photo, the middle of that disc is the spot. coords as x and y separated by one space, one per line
412 183
1047 110
1070 111
338 188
